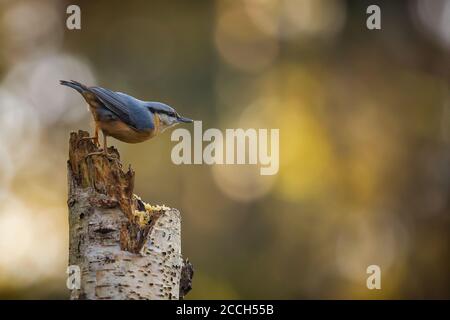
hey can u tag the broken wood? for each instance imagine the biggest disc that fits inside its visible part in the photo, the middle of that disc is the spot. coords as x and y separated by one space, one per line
124 247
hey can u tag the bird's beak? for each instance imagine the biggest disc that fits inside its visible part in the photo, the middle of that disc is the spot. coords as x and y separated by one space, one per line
185 120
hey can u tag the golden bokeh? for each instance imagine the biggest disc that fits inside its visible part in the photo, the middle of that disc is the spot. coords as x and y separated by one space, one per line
363 120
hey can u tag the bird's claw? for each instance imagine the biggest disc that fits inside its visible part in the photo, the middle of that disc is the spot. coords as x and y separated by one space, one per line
94 139
103 153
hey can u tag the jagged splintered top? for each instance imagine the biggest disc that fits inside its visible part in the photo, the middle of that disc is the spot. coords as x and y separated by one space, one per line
103 173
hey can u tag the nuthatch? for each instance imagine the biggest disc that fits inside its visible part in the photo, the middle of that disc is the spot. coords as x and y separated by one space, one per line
124 117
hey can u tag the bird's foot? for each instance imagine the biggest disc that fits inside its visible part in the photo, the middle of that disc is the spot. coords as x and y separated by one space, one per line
94 139
102 153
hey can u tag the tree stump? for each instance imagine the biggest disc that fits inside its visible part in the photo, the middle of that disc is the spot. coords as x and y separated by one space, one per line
124 247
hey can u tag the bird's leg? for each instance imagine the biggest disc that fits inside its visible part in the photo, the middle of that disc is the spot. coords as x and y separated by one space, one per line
104 152
105 145
94 138
96 134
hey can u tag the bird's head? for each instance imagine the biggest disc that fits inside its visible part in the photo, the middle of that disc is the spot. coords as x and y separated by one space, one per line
169 120
166 115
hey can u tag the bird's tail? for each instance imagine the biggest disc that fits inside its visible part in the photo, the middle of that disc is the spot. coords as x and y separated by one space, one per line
74 85
185 120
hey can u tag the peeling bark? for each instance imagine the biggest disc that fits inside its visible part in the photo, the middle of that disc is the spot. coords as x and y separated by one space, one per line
125 248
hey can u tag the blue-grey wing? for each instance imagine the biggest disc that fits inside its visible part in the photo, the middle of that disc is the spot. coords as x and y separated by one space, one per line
128 110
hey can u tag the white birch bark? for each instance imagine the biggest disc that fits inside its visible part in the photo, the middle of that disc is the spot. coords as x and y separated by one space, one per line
124 248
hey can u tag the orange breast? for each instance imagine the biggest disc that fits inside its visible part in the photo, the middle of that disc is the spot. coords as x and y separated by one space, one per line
121 131
157 123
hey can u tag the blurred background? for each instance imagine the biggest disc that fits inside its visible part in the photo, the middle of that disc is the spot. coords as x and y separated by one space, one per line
364 119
